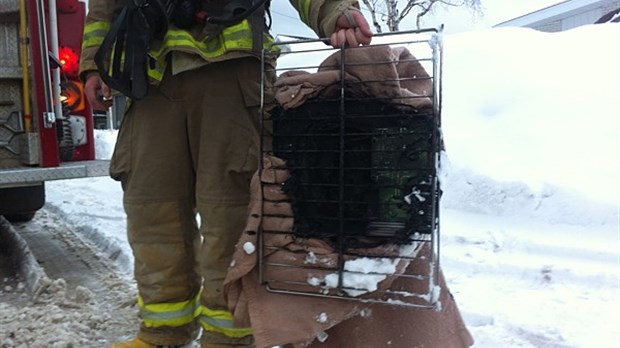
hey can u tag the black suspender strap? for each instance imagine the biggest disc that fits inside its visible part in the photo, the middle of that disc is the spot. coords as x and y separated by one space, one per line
122 57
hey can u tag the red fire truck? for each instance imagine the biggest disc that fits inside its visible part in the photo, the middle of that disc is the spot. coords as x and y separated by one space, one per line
46 124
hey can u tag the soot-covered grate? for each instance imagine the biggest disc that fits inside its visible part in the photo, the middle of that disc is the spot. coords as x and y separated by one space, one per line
349 191
361 177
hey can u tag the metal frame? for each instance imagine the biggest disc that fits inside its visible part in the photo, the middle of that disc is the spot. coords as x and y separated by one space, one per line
421 245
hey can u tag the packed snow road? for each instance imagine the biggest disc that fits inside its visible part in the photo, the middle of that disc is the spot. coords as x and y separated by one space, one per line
60 290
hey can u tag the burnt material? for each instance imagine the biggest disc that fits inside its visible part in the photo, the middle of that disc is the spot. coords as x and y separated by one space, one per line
363 171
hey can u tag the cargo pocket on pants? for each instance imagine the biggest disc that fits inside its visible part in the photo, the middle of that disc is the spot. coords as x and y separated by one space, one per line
250 89
120 164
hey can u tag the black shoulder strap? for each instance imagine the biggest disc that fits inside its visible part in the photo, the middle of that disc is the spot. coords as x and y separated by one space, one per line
257 22
237 10
122 57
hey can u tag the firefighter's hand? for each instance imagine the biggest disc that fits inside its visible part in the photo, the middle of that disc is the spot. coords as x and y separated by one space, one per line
352 29
98 93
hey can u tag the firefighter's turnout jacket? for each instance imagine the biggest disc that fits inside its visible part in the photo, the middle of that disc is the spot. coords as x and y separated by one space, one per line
233 42
191 146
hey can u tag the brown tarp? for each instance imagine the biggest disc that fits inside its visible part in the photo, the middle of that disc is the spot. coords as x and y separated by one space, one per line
279 319
391 74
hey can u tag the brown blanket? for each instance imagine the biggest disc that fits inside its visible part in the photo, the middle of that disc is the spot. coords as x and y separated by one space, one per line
279 319
391 74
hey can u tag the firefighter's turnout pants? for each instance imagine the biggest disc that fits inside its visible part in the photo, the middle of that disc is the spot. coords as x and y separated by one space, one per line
190 147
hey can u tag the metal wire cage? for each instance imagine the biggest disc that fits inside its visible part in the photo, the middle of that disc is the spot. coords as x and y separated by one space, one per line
349 176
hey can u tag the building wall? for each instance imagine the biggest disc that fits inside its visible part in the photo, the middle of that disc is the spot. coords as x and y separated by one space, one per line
561 21
610 6
566 22
551 26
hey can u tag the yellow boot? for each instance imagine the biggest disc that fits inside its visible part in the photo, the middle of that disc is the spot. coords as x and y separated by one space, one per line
138 343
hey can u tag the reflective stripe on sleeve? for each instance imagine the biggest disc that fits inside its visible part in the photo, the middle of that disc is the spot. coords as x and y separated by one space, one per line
94 33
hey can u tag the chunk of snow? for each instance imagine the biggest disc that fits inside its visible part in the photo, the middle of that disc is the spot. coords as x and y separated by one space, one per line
249 248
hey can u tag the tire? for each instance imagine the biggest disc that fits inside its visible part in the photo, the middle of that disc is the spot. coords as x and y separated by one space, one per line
25 217
21 203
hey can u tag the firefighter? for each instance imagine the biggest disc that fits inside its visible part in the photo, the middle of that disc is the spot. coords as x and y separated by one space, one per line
188 149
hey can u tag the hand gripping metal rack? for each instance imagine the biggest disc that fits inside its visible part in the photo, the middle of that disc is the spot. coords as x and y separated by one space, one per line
350 189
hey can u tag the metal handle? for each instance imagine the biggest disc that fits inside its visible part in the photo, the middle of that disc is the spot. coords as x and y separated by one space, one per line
48 119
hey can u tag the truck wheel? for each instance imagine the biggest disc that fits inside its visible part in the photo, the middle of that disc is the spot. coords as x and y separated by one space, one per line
25 217
21 203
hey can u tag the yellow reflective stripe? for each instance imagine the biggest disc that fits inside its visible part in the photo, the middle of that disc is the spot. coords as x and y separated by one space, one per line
94 33
167 314
182 39
220 321
157 74
236 37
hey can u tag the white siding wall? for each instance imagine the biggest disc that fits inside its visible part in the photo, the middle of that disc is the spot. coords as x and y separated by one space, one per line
580 19
557 20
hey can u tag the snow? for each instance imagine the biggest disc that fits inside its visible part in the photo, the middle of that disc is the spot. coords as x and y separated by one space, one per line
359 275
249 248
530 212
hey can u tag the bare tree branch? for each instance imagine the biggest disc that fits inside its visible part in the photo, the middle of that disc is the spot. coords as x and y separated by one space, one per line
395 11
371 6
